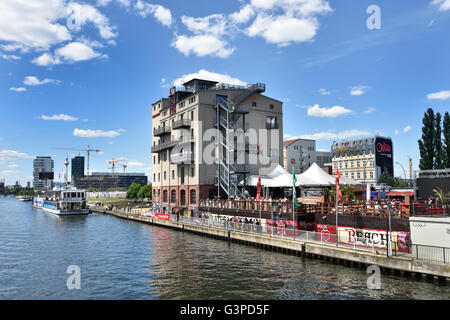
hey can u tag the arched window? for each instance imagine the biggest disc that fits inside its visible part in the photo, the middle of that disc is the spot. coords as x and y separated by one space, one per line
182 197
173 196
165 196
193 196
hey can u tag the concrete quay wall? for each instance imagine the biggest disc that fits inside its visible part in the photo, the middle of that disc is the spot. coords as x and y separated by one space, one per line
398 264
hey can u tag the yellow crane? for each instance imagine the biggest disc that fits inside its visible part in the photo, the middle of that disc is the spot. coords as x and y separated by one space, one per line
115 162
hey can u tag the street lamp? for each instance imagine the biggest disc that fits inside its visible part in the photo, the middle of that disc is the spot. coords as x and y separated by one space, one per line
404 172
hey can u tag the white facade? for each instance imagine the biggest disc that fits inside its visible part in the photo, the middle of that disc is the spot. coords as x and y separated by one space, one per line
42 164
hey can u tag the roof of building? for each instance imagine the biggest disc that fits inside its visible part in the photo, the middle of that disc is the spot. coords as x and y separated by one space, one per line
289 142
215 82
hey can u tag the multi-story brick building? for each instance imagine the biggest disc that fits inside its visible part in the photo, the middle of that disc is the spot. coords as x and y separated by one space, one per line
204 144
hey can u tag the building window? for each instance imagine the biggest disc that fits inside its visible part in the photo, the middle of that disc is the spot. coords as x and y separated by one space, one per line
173 174
340 165
358 175
165 196
254 104
271 106
159 176
192 115
193 196
273 153
173 196
353 175
164 175
357 164
351 164
271 123
154 177
182 197
371 174
192 172
154 159
346 165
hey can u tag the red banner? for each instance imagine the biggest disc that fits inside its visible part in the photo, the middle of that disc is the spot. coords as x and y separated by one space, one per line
162 216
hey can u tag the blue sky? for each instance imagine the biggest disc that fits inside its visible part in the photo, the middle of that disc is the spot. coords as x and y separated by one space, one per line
75 73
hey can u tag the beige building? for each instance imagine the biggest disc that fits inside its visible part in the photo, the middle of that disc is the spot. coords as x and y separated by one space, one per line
206 138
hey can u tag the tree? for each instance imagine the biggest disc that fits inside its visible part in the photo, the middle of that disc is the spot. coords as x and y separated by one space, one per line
438 150
386 178
426 144
145 192
348 192
133 190
446 144
443 197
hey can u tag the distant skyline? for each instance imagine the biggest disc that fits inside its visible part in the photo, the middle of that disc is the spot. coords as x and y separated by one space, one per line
78 73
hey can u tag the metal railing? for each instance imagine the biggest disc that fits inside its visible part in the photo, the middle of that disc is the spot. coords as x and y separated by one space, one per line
182 123
178 158
431 253
426 209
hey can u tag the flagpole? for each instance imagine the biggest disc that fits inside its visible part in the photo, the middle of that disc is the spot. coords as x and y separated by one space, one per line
336 218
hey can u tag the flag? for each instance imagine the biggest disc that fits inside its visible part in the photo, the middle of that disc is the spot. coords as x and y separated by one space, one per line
294 182
258 188
339 196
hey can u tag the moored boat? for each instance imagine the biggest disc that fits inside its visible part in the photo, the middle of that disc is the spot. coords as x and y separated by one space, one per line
62 201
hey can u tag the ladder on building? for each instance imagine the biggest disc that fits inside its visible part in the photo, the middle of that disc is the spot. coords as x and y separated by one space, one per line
228 112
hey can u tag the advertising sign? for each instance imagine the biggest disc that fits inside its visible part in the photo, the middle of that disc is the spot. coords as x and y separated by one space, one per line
383 155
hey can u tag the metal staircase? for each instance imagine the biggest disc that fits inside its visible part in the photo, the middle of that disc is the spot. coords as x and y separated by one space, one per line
228 112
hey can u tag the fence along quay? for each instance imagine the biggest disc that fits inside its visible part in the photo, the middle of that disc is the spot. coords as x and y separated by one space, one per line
261 231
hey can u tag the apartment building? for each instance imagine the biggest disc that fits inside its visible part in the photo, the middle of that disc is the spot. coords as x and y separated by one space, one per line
363 160
209 138
43 172
301 154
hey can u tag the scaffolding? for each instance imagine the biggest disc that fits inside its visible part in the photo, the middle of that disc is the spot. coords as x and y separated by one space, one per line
228 113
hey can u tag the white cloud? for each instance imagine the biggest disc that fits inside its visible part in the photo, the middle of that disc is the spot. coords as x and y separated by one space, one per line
102 3
441 95
336 136
160 13
324 92
358 90
42 24
18 89
396 131
63 117
88 133
77 51
34 81
369 110
283 30
13 165
46 59
212 76
444 5
333 112
135 164
9 57
164 83
243 15
407 129
203 45
8 155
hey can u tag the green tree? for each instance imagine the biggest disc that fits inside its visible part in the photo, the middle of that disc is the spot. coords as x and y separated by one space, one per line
438 150
145 192
426 144
443 197
386 178
133 190
446 144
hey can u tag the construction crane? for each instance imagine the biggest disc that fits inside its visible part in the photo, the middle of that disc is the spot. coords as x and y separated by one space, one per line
410 168
124 166
88 153
115 162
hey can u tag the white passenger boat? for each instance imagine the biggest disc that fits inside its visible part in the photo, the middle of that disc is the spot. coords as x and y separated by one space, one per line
62 201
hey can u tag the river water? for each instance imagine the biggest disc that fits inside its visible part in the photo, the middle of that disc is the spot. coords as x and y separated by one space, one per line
120 259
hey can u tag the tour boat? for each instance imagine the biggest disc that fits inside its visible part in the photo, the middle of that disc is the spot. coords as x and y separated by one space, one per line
62 201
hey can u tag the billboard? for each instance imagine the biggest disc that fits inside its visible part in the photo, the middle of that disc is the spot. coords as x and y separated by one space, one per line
384 158
46 176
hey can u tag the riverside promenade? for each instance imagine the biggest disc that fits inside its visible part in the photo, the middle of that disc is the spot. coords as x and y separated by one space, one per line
405 265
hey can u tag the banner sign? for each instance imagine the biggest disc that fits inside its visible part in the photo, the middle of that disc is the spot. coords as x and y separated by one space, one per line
365 237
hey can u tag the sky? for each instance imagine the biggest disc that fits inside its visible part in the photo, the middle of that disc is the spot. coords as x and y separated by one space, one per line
76 73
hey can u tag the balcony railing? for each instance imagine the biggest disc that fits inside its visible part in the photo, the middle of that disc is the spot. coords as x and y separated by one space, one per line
272 125
161 131
178 158
172 143
183 123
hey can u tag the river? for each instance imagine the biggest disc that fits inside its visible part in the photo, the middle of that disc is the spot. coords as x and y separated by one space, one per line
120 259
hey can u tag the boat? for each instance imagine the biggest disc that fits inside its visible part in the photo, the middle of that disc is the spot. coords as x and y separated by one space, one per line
25 198
62 201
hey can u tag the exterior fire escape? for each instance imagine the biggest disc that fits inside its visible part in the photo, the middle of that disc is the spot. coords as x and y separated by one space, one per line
228 113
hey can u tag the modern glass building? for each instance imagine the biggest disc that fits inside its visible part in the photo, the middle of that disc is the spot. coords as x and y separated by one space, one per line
77 168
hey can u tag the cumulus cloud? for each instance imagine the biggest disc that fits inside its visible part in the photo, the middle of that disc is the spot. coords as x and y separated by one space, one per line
9 57
351 133
160 13
88 133
18 89
441 95
243 15
333 112
72 52
56 117
135 164
358 90
34 81
9 155
207 75
407 129
444 5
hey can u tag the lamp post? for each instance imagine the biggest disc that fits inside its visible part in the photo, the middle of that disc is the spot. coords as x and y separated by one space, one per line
404 172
